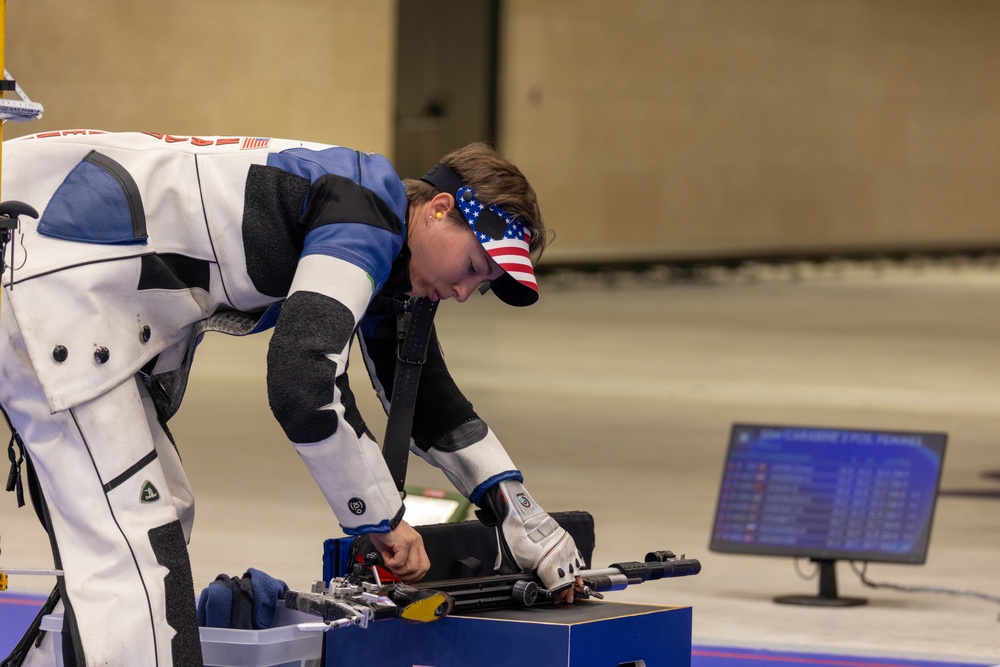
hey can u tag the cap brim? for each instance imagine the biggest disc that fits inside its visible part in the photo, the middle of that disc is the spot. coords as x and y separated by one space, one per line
513 293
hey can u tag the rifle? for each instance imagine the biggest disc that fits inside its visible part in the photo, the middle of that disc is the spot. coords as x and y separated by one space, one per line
361 597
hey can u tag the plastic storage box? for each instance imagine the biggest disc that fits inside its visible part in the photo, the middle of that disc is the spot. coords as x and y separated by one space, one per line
284 645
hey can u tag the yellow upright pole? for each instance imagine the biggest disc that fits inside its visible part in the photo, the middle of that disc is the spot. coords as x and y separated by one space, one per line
3 47
3 44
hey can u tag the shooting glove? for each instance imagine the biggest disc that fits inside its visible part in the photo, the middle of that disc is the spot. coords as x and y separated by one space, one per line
530 539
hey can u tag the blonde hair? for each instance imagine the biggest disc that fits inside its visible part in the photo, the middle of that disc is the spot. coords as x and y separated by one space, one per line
496 181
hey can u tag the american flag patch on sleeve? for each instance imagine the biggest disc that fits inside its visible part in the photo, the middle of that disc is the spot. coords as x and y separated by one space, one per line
254 142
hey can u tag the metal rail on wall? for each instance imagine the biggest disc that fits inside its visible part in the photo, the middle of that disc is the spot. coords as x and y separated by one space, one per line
695 267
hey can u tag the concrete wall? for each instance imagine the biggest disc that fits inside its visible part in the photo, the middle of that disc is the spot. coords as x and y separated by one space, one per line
648 126
304 69
690 126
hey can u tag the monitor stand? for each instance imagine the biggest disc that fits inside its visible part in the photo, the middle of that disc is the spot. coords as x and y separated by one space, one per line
827 596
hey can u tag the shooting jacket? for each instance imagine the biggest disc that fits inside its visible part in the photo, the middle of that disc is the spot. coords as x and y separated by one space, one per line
145 241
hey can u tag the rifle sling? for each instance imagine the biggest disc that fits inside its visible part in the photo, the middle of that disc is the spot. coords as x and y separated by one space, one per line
414 326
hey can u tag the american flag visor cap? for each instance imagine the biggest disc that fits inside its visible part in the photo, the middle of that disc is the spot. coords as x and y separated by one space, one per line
505 239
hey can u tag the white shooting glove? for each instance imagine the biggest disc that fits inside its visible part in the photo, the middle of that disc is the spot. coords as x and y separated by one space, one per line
529 538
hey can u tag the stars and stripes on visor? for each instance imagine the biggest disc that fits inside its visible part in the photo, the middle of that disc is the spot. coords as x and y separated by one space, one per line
505 239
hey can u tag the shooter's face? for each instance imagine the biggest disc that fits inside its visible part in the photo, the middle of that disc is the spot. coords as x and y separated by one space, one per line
447 260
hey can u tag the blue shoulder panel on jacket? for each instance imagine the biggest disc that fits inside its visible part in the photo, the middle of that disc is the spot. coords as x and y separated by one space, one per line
368 170
98 202
371 248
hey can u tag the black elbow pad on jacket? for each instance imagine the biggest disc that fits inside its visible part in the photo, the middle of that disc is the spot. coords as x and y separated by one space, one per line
300 376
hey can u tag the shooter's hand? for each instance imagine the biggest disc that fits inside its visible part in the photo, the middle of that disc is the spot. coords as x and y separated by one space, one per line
532 539
568 594
403 552
559 567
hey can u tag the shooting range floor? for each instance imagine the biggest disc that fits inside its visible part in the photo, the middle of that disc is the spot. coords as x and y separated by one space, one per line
616 397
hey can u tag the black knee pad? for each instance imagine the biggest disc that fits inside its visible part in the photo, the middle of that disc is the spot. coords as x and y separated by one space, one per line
171 552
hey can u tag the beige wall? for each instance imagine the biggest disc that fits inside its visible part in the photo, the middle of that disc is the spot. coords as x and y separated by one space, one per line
699 125
648 126
304 69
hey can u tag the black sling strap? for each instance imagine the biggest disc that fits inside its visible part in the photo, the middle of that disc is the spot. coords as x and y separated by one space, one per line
413 329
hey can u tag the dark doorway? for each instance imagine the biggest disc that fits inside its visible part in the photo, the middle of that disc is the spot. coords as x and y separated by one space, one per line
446 78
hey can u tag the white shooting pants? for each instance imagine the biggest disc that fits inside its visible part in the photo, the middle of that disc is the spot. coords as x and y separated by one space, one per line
119 509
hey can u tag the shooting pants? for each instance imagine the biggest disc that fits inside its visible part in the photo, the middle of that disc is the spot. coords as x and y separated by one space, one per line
118 509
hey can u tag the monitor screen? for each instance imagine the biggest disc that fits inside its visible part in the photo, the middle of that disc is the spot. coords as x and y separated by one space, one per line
828 493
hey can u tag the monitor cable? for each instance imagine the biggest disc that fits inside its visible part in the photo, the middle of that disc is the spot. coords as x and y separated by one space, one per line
804 575
942 590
